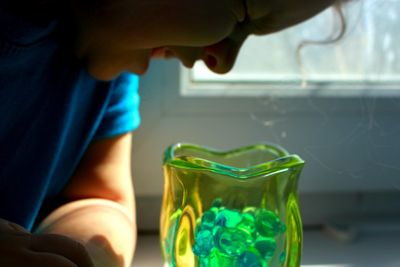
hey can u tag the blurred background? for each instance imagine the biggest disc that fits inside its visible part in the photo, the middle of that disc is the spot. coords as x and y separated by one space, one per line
337 105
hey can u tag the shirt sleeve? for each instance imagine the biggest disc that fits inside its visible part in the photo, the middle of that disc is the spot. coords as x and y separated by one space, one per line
122 113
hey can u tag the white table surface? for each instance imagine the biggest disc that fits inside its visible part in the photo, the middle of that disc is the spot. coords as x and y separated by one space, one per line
320 250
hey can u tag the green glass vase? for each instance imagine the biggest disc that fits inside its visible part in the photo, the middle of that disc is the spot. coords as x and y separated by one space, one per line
236 208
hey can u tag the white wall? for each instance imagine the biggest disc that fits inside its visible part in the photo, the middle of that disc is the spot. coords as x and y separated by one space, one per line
348 144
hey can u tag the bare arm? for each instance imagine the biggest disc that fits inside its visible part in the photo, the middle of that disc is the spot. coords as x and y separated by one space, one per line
100 213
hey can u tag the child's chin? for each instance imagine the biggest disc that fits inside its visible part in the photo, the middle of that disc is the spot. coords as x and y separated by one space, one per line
102 76
102 73
107 71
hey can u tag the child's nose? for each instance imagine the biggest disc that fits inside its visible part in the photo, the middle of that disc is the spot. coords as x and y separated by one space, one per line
220 58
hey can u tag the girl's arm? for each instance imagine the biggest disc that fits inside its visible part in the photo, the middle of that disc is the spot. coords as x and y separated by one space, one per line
100 212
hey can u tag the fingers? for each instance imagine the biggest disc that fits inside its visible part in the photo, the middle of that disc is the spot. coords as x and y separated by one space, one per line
61 246
19 248
10 226
40 259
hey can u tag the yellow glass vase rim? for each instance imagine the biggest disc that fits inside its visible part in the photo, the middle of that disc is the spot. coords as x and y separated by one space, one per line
282 162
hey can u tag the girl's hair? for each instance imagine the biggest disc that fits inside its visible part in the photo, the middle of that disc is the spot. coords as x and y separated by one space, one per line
338 9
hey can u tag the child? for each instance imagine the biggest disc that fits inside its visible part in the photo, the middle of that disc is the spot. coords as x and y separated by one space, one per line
68 105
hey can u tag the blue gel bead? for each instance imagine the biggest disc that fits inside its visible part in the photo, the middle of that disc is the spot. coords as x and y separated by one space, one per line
266 247
248 223
220 220
251 210
228 218
232 242
204 261
204 243
216 229
202 227
217 203
248 259
208 218
268 223
214 209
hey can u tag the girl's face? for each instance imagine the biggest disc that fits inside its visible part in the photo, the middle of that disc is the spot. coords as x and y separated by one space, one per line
123 35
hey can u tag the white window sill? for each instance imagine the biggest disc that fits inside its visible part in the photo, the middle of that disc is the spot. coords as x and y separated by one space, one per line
320 250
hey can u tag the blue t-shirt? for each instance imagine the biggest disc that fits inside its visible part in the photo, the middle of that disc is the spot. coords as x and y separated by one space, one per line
50 111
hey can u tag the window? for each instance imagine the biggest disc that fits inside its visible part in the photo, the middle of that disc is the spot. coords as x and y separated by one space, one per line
366 60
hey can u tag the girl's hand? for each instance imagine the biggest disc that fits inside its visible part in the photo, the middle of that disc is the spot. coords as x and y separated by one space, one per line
20 248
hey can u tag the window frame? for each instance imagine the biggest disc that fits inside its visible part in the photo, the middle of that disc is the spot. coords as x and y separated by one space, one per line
189 87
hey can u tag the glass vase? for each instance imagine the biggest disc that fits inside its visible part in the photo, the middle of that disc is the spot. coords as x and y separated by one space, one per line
235 208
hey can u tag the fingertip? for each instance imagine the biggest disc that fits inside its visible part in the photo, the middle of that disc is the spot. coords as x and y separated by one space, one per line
6 225
18 228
